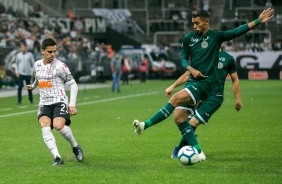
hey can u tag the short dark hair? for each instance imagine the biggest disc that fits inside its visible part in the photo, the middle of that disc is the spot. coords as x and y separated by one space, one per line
48 42
203 14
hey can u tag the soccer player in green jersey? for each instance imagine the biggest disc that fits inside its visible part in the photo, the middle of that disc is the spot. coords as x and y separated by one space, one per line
201 48
201 115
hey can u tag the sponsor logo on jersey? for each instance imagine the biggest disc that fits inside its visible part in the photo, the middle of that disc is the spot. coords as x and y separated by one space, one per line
221 59
45 84
194 39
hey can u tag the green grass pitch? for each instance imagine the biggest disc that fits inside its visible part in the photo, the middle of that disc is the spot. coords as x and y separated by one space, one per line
241 147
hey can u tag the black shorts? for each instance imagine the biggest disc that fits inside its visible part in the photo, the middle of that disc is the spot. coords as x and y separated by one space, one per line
53 111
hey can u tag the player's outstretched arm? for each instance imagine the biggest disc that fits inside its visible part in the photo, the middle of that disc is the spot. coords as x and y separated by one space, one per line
263 17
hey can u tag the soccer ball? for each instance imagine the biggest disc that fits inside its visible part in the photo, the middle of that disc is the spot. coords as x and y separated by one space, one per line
188 155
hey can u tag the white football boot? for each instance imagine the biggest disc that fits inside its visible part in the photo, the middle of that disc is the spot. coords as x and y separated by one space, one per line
202 156
139 126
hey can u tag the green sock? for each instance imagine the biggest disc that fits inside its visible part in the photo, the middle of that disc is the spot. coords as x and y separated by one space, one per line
188 135
181 143
162 114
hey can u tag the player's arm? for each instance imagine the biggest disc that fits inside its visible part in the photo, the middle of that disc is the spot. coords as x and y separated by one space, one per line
181 80
66 75
33 85
236 91
263 17
73 95
184 52
184 55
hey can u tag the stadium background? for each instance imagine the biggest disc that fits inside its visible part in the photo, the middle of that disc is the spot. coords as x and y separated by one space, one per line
241 147
88 31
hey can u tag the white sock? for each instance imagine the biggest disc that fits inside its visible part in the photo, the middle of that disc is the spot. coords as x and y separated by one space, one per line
67 134
50 141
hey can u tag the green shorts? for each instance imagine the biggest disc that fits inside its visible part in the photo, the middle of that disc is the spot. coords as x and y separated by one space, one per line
189 108
208 107
198 90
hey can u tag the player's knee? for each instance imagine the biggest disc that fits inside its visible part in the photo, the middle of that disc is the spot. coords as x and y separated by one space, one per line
179 119
174 101
58 126
194 122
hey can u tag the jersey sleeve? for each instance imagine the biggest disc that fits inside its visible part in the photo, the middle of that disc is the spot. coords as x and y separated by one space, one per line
185 52
65 73
229 35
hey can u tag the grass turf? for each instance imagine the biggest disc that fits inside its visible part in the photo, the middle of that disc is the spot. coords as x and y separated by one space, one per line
241 147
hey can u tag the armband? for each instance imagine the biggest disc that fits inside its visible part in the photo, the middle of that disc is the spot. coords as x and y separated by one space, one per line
257 22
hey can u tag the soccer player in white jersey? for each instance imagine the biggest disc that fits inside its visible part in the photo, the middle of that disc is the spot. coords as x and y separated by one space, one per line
54 110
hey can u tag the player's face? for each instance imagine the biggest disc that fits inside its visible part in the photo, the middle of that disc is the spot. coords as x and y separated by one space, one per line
49 53
200 26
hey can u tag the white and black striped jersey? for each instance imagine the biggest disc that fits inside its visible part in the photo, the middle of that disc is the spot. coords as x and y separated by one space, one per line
51 79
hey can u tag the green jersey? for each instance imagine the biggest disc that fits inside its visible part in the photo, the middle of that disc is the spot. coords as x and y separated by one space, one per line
203 50
226 65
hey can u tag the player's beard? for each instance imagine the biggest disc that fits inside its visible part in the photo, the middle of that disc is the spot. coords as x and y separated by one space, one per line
50 60
198 32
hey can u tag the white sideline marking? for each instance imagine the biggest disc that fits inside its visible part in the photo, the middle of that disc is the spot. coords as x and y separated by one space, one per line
86 103
7 109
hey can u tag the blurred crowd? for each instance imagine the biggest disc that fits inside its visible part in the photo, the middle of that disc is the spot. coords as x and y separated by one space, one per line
81 53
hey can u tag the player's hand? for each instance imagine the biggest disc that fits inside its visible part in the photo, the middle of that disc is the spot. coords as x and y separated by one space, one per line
197 74
169 91
29 87
238 105
266 15
72 110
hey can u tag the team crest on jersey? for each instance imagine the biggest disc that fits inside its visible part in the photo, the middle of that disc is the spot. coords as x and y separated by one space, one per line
220 65
205 44
49 71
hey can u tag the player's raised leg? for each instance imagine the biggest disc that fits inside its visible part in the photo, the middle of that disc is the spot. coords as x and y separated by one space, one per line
181 97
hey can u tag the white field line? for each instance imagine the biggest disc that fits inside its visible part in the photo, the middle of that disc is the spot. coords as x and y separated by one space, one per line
87 103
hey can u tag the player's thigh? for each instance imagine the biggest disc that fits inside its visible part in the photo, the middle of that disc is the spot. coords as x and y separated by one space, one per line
45 115
208 108
180 98
198 90
181 113
61 116
59 123
44 121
